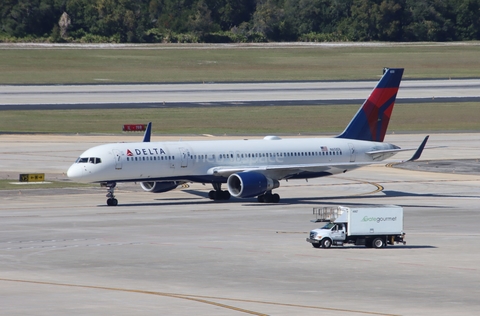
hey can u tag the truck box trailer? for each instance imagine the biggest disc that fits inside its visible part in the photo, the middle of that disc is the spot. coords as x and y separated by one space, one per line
372 226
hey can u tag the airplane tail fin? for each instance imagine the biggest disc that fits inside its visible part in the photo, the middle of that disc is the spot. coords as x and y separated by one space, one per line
371 121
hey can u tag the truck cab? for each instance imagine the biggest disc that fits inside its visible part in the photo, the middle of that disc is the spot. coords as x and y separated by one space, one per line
331 233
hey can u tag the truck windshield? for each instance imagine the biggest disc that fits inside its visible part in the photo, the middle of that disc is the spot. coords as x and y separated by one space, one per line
328 226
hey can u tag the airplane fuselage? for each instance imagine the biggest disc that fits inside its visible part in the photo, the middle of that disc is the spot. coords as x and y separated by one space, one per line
198 161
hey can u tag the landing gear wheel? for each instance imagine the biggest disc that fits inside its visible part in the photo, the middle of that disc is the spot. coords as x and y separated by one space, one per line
211 195
225 195
217 195
378 243
268 198
326 243
111 201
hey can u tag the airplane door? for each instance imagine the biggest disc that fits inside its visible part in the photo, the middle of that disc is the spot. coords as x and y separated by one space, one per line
118 159
184 155
352 152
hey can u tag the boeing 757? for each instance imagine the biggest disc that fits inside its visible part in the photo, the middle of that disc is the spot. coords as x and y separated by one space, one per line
249 168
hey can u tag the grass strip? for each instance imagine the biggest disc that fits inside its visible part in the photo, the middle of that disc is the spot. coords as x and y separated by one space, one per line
227 64
238 120
11 184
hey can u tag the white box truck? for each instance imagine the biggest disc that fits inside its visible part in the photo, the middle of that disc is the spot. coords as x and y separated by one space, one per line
372 226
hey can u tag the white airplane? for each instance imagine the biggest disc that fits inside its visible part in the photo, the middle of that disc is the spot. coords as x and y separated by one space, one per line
250 168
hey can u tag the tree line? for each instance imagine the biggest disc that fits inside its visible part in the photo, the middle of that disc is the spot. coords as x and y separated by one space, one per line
223 21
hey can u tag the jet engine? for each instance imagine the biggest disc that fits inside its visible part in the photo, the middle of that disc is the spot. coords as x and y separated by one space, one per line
250 184
159 187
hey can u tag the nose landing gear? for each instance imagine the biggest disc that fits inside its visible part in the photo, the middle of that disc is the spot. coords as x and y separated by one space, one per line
111 201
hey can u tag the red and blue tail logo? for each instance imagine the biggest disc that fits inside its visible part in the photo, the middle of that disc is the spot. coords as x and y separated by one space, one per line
371 121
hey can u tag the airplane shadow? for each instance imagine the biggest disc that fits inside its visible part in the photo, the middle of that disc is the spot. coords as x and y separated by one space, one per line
392 193
202 197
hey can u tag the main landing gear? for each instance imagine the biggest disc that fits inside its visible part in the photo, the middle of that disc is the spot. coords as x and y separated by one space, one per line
268 197
218 194
111 201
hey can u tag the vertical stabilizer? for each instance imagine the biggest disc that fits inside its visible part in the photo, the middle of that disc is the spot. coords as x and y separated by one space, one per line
371 121
148 132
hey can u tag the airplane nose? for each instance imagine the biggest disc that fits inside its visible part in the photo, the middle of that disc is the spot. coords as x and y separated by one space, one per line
74 172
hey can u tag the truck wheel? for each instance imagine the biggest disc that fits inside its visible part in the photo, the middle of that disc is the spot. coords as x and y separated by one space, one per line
326 243
378 242
317 245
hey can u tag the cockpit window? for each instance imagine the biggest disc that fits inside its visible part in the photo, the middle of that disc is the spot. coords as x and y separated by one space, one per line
94 160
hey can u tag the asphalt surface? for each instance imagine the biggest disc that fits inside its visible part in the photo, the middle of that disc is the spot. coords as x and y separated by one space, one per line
462 166
63 251
56 97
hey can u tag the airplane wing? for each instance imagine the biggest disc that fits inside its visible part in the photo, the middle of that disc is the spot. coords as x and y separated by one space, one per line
286 171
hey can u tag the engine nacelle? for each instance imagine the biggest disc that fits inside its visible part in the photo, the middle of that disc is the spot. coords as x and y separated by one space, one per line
250 184
159 187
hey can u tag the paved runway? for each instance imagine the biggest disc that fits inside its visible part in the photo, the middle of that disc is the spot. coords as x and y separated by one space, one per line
14 97
64 252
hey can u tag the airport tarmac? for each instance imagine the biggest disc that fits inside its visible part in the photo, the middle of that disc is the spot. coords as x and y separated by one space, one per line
63 251
116 96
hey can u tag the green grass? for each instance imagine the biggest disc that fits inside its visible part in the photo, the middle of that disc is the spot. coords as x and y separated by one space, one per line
232 120
185 64
10 184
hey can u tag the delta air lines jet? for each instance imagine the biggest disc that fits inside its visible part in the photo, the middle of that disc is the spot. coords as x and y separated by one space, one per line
249 168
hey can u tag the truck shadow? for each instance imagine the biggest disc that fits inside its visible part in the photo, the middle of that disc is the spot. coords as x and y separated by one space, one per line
391 247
